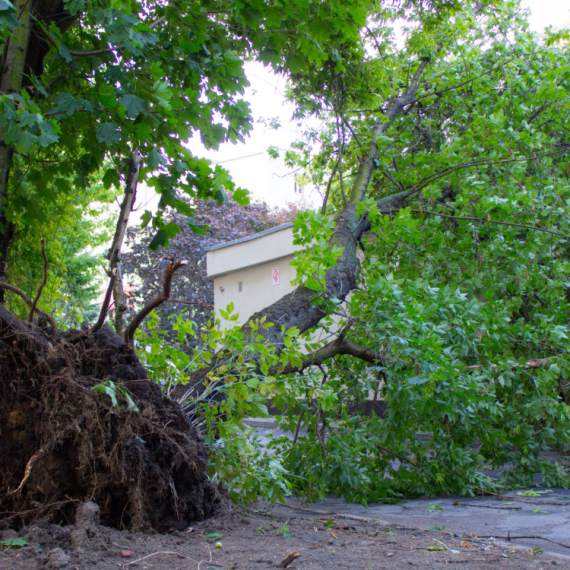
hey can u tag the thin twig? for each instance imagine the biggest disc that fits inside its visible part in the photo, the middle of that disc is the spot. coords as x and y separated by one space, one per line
393 181
95 52
35 302
189 303
156 554
205 561
483 162
400 457
527 537
324 208
461 504
488 221
352 132
28 301
298 426
105 305
340 134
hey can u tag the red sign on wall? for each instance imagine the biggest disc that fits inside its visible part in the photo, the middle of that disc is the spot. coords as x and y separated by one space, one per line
276 276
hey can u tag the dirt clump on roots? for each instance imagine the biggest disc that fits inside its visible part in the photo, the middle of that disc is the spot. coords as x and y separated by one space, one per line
131 450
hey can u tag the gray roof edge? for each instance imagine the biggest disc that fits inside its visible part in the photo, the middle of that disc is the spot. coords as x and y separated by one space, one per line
250 238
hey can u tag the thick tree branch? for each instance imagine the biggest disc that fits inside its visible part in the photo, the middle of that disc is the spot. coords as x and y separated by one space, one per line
114 254
173 266
300 307
336 348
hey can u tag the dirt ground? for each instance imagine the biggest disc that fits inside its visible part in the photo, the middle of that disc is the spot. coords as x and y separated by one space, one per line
259 538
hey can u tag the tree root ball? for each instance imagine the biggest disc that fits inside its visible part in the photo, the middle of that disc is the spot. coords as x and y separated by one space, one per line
63 443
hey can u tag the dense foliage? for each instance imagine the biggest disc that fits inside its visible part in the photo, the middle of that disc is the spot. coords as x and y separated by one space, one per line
463 290
75 240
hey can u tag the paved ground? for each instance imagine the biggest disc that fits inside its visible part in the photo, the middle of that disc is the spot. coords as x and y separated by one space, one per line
535 517
512 515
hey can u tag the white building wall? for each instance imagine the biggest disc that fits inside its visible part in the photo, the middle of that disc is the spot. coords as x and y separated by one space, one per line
270 180
243 271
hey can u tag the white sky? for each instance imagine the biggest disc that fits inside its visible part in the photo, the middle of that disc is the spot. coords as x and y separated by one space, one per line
546 13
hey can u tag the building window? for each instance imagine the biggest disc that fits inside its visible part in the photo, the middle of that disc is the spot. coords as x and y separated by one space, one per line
299 189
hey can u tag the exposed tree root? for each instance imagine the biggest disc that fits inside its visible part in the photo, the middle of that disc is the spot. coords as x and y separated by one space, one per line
62 442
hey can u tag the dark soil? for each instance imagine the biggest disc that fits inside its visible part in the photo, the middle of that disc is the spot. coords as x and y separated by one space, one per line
258 539
63 443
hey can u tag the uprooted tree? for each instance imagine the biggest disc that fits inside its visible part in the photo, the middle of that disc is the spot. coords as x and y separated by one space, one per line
120 87
445 151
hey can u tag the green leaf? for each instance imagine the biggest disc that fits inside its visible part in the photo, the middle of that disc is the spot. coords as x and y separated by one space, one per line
64 53
143 36
8 15
108 133
67 104
111 178
130 402
154 159
108 388
23 140
134 105
159 240
417 381
145 219
14 542
241 196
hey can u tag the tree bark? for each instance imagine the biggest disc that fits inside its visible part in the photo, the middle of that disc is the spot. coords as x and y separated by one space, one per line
13 65
114 255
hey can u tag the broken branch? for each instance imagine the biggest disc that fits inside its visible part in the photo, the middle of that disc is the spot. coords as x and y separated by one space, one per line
28 301
173 266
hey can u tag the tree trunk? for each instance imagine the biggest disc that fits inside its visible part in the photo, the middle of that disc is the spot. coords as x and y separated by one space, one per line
114 255
13 64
